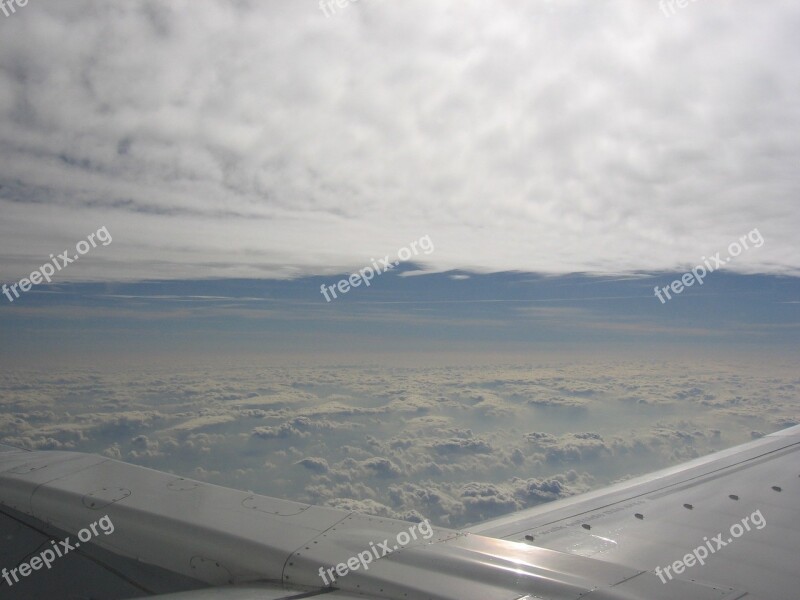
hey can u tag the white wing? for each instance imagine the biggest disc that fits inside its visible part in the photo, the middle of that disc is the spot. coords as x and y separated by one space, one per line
175 535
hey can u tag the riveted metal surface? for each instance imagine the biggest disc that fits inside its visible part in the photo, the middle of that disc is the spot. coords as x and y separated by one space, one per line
181 484
101 498
163 527
661 519
274 506
458 566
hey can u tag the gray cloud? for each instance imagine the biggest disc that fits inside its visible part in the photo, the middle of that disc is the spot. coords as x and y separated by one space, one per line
552 136
315 464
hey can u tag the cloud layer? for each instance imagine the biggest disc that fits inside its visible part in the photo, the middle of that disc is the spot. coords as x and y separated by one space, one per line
249 139
454 444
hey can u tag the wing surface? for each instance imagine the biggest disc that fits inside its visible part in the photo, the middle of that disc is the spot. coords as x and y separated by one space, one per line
740 507
190 540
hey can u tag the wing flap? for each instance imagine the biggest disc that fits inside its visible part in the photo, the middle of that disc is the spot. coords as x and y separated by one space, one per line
262 592
91 572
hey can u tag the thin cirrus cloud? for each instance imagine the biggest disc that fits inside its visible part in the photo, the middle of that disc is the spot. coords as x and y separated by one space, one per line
264 140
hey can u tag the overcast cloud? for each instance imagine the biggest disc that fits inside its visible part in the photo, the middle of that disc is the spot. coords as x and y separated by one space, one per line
250 139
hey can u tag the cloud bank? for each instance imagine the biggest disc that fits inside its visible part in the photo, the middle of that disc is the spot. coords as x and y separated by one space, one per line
262 139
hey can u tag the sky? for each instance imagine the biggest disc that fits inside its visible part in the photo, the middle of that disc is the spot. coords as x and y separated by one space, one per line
407 195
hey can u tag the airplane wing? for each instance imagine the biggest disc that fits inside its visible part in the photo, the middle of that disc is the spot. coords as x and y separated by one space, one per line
737 510
720 527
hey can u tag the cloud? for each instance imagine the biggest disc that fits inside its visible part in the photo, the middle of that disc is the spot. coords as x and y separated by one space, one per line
353 437
317 465
204 422
382 467
301 426
487 127
459 446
